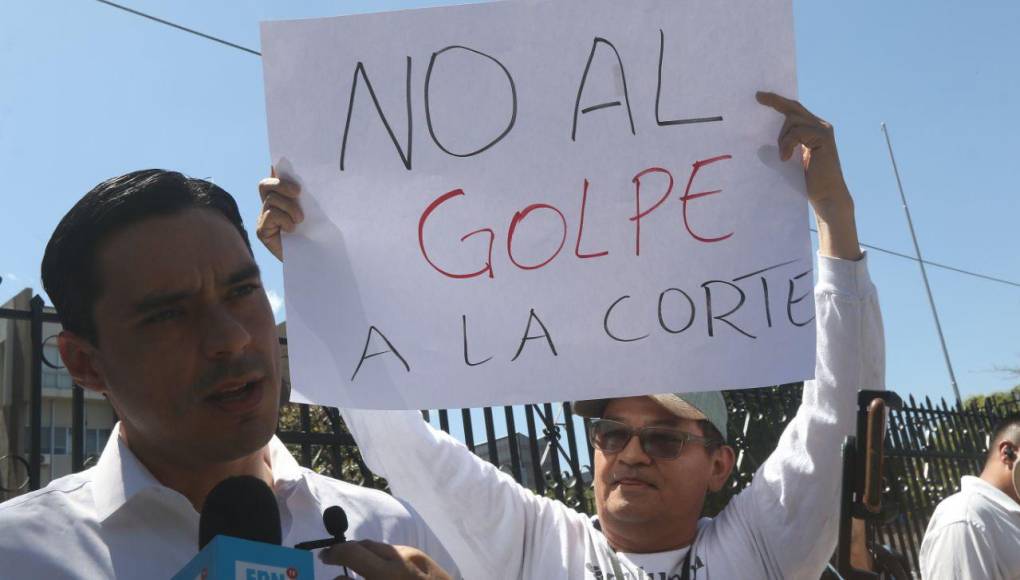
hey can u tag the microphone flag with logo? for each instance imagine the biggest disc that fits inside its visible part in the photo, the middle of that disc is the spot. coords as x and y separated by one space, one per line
239 536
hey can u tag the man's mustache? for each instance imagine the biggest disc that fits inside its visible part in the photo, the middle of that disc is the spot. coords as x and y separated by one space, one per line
620 474
220 372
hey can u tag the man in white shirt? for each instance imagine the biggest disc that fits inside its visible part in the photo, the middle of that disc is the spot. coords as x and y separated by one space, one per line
650 495
976 533
164 314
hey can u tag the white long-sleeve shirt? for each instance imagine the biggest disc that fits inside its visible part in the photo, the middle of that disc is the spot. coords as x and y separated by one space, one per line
116 520
784 525
973 534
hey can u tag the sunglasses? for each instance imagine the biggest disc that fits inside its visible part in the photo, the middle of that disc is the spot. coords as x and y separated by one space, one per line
660 442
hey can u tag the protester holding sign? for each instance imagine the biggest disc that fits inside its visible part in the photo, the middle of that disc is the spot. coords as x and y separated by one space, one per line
657 457
975 533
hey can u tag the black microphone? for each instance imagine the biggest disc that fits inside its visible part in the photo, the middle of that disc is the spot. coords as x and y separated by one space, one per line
242 507
335 520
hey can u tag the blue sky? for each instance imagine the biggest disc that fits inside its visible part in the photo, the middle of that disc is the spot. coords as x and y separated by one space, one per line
89 92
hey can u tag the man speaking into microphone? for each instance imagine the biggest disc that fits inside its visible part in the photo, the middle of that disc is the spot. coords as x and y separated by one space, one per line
164 313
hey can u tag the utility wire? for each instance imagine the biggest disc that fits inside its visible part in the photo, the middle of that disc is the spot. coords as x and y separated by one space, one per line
938 265
256 53
179 27
944 266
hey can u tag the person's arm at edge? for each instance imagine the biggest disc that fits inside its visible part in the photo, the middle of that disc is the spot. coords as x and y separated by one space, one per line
489 523
837 238
850 357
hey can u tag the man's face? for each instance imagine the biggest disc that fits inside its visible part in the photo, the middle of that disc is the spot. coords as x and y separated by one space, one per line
632 488
187 347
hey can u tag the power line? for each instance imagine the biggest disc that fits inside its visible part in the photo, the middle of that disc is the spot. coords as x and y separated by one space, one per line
937 264
256 53
179 27
946 267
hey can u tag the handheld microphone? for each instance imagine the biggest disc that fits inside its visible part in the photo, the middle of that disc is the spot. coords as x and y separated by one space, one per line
239 536
241 507
335 520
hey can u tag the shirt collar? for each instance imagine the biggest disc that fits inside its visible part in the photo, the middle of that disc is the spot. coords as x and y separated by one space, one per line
285 468
988 491
119 476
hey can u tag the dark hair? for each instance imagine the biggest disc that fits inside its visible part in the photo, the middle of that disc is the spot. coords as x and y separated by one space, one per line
69 264
1008 428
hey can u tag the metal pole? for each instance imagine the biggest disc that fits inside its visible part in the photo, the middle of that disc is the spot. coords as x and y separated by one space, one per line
924 273
78 429
35 397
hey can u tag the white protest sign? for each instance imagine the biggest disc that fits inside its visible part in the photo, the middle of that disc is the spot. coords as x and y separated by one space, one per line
539 201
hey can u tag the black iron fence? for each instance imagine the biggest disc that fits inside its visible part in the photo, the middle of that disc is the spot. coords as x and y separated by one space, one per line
929 446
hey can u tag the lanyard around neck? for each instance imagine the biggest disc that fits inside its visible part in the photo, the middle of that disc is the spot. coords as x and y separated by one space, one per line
685 574
685 567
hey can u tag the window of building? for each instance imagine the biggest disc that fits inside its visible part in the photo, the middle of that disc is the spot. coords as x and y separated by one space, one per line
60 443
104 436
95 441
44 439
54 378
91 443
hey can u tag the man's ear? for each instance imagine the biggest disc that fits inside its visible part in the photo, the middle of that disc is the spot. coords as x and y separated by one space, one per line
1007 452
723 460
81 358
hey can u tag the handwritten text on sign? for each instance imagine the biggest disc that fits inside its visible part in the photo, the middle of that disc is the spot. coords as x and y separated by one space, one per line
534 201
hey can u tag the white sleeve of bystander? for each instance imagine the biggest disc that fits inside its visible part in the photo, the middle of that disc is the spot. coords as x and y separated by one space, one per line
958 550
491 525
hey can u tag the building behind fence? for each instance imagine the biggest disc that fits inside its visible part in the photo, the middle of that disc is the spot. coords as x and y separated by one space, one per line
929 446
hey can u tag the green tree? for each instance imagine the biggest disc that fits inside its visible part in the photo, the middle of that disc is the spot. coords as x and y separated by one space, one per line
1003 401
335 459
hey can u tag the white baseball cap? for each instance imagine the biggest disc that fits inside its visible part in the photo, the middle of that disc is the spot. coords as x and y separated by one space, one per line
703 406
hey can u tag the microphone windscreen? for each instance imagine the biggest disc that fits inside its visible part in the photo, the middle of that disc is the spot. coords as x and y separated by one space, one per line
335 519
242 507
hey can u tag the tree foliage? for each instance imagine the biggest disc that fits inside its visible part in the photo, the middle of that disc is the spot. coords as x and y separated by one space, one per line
343 462
1004 401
